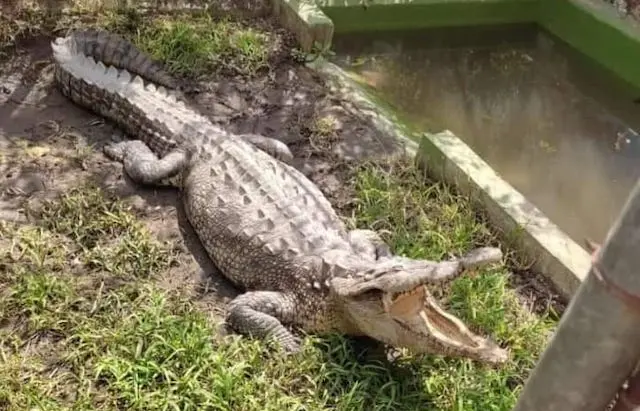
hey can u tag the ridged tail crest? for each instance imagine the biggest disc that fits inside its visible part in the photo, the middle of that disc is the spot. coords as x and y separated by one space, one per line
114 50
151 113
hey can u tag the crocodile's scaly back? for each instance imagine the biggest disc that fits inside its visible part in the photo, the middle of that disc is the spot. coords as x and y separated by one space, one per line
114 50
258 204
159 117
266 226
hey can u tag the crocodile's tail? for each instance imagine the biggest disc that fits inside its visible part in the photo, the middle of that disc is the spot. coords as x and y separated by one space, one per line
114 50
154 114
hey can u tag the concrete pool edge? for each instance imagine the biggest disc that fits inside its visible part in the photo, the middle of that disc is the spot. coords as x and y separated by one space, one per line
383 119
597 31
518 223
311 26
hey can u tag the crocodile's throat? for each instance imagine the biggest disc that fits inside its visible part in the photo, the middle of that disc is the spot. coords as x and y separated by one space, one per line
419 309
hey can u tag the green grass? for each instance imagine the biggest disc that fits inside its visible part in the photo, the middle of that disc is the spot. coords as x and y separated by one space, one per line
86 327
195 44
191 44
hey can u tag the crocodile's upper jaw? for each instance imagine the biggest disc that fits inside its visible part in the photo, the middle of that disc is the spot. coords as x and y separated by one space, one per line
414 320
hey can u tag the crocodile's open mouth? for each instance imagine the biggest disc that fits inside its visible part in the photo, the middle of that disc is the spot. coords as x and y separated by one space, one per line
419 310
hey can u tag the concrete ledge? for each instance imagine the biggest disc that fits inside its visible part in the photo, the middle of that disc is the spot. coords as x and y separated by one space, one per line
305 19
523 226
384 120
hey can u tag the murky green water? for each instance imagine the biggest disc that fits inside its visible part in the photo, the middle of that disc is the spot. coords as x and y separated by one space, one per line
552 123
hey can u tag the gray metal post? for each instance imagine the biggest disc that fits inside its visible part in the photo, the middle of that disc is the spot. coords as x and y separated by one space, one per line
597 343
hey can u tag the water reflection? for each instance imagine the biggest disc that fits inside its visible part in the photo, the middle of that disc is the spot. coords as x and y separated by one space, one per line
532 113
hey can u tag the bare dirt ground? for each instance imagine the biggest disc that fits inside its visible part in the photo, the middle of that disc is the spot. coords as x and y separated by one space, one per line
48 144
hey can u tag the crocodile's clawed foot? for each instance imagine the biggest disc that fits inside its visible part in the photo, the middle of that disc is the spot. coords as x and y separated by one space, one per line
369 244
142 165
261 314
292 347
116 151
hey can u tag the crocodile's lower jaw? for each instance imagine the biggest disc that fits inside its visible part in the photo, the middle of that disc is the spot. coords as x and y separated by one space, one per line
418 312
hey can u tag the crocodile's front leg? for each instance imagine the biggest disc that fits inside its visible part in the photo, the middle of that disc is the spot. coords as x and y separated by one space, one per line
142 165
261 314
271 146
369 244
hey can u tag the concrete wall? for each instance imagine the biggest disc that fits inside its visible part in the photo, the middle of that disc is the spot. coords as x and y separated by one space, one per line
350 16
594 28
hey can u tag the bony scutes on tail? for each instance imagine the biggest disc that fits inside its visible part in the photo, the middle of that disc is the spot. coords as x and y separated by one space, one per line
266 226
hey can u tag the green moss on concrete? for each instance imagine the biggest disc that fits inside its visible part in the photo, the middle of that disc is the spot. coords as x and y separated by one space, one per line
310 25
596 30
590 26
350 15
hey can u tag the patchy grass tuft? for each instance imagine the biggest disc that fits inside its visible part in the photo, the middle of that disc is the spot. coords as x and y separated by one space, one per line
323 133
194 45
190 44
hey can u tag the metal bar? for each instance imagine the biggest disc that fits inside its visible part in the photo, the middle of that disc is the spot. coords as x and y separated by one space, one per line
597 343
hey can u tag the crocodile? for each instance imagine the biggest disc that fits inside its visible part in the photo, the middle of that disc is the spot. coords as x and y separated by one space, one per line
264 224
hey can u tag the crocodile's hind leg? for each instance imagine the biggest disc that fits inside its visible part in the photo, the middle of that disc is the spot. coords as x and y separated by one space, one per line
369 244
271 146
261 314
142 165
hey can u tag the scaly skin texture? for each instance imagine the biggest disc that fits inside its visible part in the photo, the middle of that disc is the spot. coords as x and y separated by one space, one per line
268 228
113 50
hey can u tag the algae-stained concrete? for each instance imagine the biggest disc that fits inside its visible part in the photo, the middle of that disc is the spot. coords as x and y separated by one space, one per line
594 28
374 15
305 19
